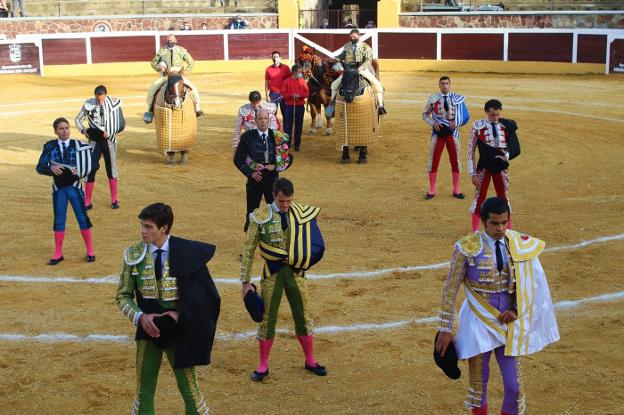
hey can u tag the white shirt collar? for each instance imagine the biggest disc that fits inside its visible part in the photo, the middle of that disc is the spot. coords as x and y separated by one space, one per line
61 142
263 132
165 246
275 208
491 241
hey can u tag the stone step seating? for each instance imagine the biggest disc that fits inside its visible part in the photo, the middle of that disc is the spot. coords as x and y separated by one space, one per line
537 5
45 8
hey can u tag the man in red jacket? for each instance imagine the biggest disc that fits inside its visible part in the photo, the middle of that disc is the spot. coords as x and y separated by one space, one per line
295 91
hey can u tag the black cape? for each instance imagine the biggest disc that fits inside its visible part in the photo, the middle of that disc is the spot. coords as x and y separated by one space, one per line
487 154
199 303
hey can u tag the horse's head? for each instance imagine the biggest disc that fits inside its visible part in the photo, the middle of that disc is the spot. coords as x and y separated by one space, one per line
306 60
174 94
350 82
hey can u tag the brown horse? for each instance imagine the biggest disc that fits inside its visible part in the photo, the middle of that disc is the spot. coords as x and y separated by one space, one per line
320 74
176 123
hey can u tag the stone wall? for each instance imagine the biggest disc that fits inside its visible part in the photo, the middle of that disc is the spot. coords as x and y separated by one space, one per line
12 27
515 20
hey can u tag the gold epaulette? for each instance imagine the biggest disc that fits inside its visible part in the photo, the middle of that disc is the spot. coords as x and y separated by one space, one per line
471 245
303 213
262 215
524 247
135 253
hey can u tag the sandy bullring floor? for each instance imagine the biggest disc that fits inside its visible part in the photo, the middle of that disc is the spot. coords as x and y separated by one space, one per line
566 187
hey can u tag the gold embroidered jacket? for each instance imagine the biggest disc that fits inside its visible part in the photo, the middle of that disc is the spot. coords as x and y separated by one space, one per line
137 275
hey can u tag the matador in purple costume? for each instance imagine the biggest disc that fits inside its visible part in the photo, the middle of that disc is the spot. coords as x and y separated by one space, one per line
507 311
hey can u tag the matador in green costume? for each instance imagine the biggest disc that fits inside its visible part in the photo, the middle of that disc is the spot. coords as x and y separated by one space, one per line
290 243
165 289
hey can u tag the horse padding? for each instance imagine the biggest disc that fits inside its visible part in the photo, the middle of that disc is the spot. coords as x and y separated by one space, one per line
357 123
176 130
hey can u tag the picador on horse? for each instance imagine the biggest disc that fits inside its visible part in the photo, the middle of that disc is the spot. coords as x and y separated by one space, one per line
172 60
360 55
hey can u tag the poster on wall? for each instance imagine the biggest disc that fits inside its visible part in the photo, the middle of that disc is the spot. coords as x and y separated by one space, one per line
617 56
19 58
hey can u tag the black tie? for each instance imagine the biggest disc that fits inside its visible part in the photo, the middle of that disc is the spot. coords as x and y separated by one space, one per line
64 147
446 106
158 264
284 217
494 132
499 257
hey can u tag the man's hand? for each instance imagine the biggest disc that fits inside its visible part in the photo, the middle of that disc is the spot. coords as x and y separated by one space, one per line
73 171
452 124
106 134
257 176
173 314
57 170
361 68
475 180
296 96
246 288
85 133
147 323
444 339
436 126
507 316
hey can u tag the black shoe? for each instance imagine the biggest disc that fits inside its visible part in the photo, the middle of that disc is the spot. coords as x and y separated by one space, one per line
318 370
363 160
259 376
90 258
54 261
459 196
89 206
115 205
381 111
297 148
199 113
429 196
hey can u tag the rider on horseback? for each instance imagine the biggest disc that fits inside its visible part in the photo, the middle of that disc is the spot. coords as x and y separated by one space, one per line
171 59
360 54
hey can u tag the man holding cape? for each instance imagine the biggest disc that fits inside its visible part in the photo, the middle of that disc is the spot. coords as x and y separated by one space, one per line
508 309
290 243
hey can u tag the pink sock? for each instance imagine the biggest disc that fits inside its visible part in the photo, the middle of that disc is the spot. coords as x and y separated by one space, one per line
456 183
265 350
307 344
432 183
475 222
112 183
86 235
58 244
88 192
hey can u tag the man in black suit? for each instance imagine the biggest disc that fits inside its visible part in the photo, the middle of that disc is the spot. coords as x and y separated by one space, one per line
165 290
255 158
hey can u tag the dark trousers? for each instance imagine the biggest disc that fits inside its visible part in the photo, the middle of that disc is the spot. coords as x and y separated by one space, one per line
278 100
64 196
100 148
255 191
298 111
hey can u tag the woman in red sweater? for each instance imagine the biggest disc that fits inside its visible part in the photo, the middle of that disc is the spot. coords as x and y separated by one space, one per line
295 91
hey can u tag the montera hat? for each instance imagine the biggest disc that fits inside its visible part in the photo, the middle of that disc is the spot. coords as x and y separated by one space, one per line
254 305
448 363
168 328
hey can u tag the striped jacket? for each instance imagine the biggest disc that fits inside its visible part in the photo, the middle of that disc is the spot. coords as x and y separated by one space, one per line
79 156
107 117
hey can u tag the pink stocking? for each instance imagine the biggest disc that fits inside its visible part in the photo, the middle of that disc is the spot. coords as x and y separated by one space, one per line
456 183
58 244
86 235
88 192
307 344
265 350
432 183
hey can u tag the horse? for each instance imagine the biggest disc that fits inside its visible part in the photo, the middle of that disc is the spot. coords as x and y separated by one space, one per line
357 122
176 124
320 73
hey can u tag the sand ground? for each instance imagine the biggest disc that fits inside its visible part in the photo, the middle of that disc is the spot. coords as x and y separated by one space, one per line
567 186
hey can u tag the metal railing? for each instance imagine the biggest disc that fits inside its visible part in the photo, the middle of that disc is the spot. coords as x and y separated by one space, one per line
49 8
509 5
336 19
